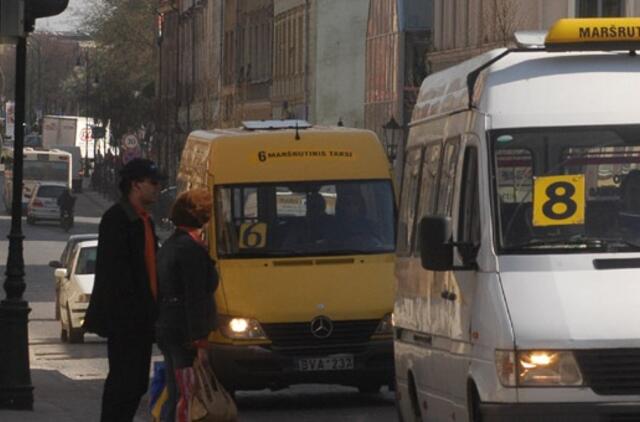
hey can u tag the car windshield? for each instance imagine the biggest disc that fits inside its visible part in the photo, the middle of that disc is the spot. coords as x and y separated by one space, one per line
87 260
305 218
569 189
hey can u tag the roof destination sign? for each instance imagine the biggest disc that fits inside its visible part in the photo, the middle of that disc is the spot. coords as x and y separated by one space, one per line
270 155
604 34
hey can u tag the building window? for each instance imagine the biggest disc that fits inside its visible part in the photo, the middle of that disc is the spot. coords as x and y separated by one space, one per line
599 8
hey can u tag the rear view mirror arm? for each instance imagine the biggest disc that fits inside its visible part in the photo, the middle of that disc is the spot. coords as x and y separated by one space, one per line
470 264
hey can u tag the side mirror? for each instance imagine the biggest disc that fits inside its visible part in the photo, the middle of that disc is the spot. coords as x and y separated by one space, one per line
436 249
55 264
60 273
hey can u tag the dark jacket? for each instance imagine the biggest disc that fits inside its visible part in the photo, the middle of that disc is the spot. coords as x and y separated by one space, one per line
187 280
121 300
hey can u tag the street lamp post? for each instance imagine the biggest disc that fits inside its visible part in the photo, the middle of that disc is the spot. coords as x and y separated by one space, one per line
392 135
16 391
86 105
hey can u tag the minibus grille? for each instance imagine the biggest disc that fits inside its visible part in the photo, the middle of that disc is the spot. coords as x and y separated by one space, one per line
296 338
611 371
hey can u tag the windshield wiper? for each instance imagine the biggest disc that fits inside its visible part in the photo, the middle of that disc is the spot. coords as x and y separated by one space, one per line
576 242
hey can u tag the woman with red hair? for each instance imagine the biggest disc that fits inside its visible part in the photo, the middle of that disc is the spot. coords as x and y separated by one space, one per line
187 280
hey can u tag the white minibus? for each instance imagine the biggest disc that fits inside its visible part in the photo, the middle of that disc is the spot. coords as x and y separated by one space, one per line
518 255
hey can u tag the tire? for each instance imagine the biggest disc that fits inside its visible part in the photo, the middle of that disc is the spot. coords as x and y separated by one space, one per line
31 221
76 335
64 336
474 405
369 388
416 411
57 311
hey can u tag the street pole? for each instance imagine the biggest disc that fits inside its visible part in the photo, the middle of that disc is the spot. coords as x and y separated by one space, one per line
16 391
86 129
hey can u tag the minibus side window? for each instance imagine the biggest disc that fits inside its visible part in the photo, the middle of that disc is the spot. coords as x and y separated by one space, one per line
469 220
448 177
429 183
409 200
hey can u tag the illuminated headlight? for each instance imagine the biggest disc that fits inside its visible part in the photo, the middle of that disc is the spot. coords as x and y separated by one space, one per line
538 368
242 329
386 325
84 298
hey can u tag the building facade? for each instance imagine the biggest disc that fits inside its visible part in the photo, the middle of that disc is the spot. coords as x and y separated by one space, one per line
189 37
465 28
398 35
225 61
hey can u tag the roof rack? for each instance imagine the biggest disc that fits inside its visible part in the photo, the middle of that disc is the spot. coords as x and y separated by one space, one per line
275 124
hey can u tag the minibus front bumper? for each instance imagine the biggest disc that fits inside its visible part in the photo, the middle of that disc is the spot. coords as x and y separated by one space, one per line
560 412
258 367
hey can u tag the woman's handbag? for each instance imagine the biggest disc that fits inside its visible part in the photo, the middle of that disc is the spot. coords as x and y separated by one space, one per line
210 402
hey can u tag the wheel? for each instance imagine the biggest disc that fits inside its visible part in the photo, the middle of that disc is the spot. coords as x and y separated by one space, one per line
76 335
369 388
57 303
416 413
474 405
64 334
31 221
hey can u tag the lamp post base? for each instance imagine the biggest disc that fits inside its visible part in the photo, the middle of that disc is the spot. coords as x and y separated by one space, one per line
16 391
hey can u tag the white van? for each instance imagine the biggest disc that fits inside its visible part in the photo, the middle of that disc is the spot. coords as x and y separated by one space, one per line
518 267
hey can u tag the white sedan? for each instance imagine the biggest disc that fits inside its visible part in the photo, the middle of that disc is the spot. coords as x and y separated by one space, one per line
65 262
75 290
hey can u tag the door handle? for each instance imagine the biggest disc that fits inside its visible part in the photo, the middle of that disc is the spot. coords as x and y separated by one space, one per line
447 295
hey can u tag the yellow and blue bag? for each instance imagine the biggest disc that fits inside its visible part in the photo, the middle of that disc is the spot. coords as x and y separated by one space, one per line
158 393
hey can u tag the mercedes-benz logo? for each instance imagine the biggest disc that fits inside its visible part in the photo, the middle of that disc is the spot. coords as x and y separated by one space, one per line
321 327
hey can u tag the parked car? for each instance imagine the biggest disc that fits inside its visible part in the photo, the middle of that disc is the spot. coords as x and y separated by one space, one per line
43 203
75 290
65 259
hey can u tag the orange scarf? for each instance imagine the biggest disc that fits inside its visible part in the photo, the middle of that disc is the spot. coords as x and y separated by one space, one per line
149 252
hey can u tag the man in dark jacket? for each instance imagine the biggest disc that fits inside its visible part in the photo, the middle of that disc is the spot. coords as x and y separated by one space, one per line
123 305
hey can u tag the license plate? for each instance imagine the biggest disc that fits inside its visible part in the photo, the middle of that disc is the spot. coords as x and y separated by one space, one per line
329 363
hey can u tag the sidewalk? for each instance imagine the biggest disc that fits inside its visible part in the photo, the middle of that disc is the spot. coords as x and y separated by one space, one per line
61 396
60 399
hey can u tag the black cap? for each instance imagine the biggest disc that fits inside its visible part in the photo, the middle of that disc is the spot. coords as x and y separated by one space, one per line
141 168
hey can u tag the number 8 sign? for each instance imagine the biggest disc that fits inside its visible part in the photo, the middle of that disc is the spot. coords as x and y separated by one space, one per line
558 200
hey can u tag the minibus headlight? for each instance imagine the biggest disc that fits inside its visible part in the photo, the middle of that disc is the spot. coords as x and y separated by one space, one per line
386 325
538 368
242 329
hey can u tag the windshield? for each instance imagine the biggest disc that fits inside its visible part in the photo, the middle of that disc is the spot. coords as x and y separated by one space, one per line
568 188
46 170
305 218
87 260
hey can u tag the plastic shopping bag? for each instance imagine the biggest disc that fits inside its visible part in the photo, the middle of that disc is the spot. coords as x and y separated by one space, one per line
158 393
210 402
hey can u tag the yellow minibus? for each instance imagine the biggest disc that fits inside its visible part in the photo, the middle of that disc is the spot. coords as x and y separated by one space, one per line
303 236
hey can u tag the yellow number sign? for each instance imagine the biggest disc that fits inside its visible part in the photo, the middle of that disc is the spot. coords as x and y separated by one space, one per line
558 200
253 235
